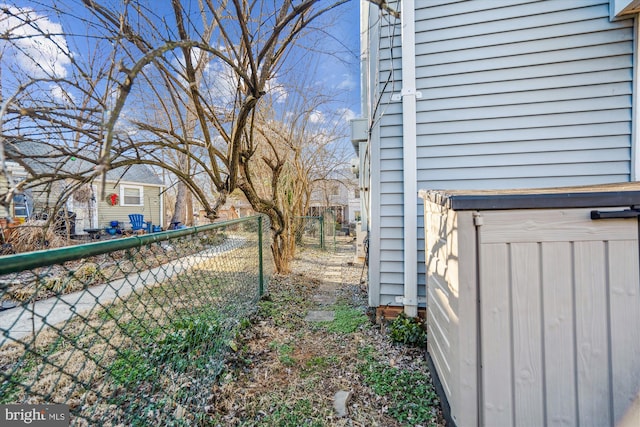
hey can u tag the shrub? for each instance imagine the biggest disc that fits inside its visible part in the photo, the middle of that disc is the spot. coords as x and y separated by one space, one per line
408 330
87 272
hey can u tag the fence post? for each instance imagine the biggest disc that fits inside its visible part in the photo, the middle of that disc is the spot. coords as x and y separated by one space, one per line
260 266
322 232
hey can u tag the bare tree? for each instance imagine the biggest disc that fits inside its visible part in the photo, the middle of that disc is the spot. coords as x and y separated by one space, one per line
296 149
49 98
204 74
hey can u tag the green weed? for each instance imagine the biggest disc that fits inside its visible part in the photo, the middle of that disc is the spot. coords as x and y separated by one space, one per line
190 342
413 397
285 353
131 368
321 362
347 320
300 414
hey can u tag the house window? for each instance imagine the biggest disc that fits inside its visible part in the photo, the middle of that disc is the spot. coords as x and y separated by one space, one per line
20 208
131 195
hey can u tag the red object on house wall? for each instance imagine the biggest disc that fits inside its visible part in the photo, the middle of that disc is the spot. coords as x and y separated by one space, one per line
112 199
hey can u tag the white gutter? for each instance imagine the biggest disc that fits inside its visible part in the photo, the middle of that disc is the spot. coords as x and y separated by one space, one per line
410 178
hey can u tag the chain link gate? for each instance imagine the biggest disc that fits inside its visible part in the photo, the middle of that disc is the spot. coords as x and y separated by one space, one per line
316 232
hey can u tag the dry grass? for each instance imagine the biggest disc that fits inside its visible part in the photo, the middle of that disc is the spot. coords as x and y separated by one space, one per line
73 276
35 235
281 370
289 370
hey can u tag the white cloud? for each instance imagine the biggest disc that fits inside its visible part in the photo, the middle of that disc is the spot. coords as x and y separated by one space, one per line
220 81
62 96
38 46
316 117
347 114
348 83
276 90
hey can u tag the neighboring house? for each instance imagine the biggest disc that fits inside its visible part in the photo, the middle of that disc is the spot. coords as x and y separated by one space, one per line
354 205
337 197
137 190
492 95
235 207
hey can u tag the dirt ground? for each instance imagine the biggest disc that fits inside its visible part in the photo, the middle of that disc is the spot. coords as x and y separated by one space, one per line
287 370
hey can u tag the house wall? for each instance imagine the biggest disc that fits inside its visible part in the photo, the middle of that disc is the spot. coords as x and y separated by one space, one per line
515 94
44 198
150 210
386 259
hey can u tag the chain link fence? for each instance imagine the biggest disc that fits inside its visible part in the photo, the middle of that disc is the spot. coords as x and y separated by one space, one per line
316 232
130 331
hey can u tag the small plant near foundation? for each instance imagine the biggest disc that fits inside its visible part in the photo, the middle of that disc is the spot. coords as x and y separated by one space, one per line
408 330
415 401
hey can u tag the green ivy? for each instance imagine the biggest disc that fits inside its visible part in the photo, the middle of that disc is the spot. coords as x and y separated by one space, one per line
413 398
408 330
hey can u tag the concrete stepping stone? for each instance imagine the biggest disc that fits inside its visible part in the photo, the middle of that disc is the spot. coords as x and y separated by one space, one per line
320 316
324 299
340 401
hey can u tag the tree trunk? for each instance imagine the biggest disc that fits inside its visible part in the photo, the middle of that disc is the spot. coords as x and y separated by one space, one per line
188 221
179 211
281 257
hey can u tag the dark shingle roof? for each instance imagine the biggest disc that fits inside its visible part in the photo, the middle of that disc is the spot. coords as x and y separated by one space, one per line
40 158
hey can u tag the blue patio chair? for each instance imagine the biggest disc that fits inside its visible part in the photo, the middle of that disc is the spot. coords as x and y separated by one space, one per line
137 222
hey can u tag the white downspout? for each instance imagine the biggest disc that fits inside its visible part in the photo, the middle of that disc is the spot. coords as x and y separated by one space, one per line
635 130
364 183
162 207
409 131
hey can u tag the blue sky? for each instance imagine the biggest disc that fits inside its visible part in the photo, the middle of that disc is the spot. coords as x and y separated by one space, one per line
345 75
338 72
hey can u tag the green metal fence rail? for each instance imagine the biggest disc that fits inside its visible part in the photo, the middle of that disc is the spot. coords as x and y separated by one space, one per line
130 331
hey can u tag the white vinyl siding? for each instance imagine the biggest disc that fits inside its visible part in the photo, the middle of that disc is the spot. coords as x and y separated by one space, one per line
507 83
515 94
151 208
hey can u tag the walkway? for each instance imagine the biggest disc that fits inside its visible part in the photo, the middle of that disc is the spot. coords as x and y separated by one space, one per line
325 297
24 320
332 280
